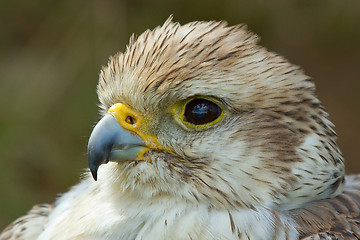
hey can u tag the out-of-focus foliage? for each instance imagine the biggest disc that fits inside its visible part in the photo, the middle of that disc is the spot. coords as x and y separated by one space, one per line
51 53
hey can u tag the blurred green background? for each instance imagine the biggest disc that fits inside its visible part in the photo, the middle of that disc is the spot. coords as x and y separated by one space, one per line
51 53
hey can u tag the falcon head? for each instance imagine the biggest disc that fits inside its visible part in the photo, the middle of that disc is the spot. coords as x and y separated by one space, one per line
201 113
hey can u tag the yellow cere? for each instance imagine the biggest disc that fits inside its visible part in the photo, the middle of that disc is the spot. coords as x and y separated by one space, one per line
135 122
178 110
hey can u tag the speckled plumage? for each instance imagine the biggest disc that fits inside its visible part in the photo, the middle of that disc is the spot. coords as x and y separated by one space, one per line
270 169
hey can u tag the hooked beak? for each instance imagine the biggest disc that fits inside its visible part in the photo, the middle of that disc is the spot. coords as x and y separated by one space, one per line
111 142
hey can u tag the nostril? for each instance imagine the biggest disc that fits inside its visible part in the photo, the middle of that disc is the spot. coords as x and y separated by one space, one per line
130 120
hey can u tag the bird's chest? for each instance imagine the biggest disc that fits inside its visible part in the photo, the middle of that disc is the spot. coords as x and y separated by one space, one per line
156 222
181 222
159 220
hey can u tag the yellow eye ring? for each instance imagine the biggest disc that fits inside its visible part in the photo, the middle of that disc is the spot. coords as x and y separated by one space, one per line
198 112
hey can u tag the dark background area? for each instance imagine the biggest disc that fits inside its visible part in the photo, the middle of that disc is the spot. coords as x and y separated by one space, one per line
51 53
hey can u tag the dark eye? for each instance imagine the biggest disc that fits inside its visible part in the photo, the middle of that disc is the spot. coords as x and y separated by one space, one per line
201 111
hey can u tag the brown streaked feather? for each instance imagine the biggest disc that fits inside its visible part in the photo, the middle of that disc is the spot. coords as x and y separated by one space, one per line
336 218
29 226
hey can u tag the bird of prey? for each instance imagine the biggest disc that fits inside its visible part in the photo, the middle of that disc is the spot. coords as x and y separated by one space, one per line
204 135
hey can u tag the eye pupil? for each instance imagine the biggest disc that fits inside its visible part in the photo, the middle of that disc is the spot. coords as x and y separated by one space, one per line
201 111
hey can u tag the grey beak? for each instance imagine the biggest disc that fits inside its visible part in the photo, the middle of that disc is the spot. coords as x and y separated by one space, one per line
110 142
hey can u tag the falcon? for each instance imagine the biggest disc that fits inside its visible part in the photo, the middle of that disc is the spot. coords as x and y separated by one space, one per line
204 134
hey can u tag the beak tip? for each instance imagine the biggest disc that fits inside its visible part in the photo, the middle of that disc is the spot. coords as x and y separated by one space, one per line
94 174
95 159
